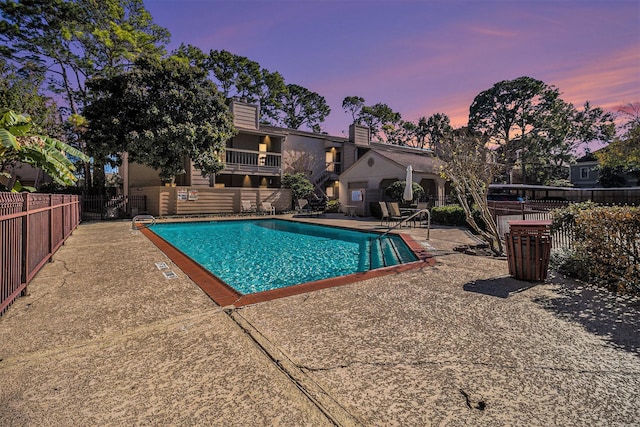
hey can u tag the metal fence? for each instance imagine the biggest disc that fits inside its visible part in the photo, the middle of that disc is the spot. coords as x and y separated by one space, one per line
105 207
32 228
503 212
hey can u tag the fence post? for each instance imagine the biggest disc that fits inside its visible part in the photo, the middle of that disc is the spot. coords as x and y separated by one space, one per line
24 273
51 236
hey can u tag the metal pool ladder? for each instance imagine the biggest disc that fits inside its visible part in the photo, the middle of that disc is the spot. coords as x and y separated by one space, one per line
143 220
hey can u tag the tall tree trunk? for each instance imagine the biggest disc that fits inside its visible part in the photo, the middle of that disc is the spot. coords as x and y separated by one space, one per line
74 110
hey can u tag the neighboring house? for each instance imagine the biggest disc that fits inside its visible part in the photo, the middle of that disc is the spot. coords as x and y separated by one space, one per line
380 166
27 175
584 173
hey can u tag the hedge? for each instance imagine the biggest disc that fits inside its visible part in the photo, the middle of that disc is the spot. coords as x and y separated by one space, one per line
449 215
607 245
454 215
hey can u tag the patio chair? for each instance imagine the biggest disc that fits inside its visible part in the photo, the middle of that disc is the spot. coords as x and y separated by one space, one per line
385 213
394 212
247 207
318 205
303 207
267 207
419 207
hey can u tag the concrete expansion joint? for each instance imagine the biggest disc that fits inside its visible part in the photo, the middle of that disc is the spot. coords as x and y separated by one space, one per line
450 363
320 398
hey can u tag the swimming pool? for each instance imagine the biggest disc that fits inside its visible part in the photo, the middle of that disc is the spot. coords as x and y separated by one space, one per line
260 255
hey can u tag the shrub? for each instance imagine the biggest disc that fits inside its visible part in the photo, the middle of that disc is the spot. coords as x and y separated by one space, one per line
299 184
374 208
396 191
610 237
333 206
565 218
607 248
449 215
454 215
570 262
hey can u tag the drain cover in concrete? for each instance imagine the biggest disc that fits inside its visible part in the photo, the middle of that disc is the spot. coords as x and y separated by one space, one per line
162 266
170 275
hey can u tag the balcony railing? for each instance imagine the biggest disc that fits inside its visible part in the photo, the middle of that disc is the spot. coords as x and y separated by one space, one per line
236 157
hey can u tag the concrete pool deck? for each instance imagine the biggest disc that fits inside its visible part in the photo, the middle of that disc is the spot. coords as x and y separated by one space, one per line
103 338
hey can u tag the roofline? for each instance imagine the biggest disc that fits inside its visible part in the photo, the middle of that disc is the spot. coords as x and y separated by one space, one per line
261 132
289 131
392 147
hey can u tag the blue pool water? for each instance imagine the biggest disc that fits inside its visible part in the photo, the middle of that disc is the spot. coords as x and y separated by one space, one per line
258 255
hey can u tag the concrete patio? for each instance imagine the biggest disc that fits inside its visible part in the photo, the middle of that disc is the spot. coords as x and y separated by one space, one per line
103 338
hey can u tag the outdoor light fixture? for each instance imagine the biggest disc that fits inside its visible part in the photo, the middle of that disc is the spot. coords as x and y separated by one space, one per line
262 156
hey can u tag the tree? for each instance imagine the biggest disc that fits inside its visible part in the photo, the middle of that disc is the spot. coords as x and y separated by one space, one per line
470 166
562 132
300 107
384 123
299 185
20 91
376 117
529 122
160 111
239 77
270 96
437 127
622 155
353 105
74 40
19 144
298 161
421 133
508 114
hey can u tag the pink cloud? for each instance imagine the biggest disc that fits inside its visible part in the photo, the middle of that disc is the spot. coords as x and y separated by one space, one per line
608 82
493 32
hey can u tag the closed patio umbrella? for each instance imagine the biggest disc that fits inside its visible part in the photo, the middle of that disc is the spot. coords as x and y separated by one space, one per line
408 187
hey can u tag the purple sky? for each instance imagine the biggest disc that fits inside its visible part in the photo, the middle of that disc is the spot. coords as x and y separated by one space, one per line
423 57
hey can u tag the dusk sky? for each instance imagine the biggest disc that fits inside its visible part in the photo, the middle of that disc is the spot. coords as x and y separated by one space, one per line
422 57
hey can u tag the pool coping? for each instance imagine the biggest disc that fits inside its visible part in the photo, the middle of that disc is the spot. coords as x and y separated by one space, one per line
227 297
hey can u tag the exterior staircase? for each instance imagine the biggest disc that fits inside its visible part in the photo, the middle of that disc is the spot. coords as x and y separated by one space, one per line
322 177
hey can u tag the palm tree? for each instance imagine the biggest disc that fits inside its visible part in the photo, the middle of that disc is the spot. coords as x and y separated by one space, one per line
18 144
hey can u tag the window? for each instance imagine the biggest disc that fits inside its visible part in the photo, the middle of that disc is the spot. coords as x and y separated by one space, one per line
584 173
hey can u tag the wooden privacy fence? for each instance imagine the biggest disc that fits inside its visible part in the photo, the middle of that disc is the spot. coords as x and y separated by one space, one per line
32 228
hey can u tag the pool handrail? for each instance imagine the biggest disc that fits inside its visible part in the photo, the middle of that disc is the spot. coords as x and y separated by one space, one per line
412 216
144 220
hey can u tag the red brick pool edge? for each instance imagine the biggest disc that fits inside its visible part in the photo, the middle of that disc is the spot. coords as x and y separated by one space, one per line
224 295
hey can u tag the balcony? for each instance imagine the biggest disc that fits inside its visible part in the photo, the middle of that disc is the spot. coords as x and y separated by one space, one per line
253 162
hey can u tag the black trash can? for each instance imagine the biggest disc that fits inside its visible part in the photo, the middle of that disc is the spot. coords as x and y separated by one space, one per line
529 249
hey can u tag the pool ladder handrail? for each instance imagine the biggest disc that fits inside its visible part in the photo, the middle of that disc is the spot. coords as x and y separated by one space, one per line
144 220
410 217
